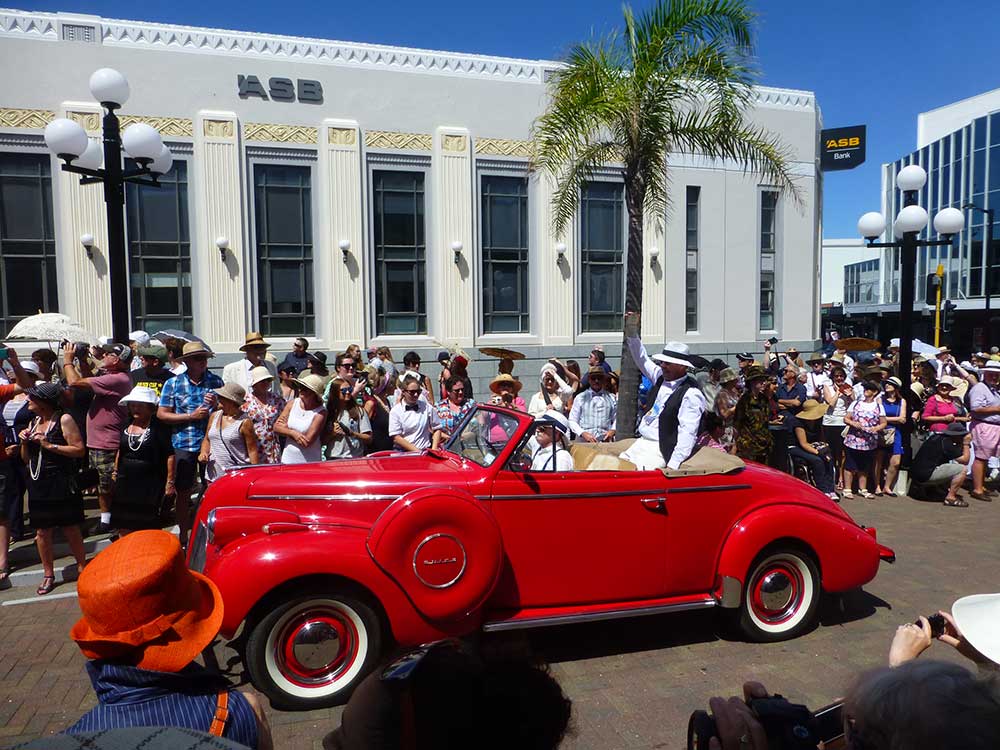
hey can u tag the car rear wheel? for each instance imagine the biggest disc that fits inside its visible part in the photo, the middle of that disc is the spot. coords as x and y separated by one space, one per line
312 650
781 595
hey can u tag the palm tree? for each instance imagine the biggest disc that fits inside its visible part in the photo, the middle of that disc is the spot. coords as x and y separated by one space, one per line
677 79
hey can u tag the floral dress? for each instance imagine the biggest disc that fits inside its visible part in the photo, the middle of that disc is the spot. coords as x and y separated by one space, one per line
263 415
868 413
448 420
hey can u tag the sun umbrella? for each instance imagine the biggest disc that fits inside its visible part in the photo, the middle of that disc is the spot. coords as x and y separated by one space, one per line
501 353
176 333
857 344
50 327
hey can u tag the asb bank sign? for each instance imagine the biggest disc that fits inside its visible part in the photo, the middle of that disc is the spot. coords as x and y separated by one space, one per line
842 148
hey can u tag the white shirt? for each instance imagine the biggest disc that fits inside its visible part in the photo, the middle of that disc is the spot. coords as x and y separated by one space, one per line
815 383
239 373
413 425
542 459
693 405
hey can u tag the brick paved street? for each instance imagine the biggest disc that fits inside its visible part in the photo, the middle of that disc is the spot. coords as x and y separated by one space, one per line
633 683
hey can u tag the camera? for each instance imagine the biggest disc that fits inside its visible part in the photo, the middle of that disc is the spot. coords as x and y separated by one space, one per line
788 726
937 623
773 340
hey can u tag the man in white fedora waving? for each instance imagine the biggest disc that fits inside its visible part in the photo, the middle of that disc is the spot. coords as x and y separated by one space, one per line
668 430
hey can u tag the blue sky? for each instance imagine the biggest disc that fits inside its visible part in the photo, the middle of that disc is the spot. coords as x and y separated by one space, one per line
866 61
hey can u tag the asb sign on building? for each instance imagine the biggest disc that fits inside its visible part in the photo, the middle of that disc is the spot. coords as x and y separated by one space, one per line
842 148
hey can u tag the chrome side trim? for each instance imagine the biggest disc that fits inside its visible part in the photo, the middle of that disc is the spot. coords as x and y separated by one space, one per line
621 493
351 497
732 593
616 614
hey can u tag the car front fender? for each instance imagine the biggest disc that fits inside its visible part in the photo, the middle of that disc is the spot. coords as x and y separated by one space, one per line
259 566
847 555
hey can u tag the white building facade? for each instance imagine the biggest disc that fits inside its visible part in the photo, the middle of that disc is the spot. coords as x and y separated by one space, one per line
377 195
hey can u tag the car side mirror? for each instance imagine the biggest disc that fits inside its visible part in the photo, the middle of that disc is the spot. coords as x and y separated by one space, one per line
519 462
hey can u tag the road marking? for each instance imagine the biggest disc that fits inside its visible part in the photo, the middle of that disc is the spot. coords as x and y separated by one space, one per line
38 599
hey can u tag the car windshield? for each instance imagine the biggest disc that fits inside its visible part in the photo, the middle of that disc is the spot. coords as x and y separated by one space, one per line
482 436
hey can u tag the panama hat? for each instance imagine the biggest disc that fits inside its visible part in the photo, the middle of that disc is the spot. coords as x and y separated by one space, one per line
194 349
991 366
141 394
142 605
32 369
554 419
674 353
505 379
744 357
895 381
254 338
259 374
976 617
817 357
811 409
231 392
315 383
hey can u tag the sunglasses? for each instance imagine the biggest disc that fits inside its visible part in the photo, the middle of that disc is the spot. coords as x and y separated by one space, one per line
346 391
458 390
411 392
346 365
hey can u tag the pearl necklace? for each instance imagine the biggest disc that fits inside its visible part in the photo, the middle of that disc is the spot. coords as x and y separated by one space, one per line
134 441
35 470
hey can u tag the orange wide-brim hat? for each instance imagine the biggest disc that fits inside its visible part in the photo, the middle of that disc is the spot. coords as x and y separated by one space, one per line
142 605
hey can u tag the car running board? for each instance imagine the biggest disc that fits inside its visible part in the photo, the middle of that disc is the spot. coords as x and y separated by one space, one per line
544 621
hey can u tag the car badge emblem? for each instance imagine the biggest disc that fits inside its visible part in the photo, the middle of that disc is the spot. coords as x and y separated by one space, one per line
439 561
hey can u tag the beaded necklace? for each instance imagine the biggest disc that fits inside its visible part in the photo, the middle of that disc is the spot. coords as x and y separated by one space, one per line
36 468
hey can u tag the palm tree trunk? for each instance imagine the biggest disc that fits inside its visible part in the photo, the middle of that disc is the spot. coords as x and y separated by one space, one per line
628 385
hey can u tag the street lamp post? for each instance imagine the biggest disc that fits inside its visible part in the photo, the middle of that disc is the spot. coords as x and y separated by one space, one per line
987 243
909 223
83 156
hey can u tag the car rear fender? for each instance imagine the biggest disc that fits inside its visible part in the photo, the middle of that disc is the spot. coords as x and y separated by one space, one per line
258 569
847 556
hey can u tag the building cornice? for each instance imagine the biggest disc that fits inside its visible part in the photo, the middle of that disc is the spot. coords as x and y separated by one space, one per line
190 39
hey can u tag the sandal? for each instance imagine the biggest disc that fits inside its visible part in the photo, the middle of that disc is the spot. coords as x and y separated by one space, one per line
848 494
4 573
984 496
958 503
866 494
48 583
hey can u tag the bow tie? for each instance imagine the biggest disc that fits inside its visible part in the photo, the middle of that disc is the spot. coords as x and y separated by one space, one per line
413 407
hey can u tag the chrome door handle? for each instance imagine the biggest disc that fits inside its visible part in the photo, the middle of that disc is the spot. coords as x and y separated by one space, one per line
654 503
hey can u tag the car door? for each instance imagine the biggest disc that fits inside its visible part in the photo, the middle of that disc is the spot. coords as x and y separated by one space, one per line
579 537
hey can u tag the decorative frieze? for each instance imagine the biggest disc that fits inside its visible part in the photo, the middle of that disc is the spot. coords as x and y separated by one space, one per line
219 128
505 147
265 132
91 121
176 127
342 136
25 118
401 141
452 142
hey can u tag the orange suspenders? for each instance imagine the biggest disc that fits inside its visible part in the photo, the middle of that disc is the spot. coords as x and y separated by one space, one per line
221 714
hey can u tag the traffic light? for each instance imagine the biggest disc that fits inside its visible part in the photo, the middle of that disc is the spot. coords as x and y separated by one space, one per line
947 313
930 289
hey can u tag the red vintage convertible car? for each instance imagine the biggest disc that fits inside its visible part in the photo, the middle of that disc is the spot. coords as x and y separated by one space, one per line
324 565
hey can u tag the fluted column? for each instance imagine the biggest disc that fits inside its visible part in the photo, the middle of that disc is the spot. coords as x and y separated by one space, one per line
218 287
340 276
653 280
84 287
450 285
558 309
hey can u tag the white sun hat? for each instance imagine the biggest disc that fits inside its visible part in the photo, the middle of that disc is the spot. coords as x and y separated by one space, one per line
978 617
675 353
141 394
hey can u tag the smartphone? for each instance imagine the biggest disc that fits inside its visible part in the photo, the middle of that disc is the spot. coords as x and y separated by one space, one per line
3 353
830 723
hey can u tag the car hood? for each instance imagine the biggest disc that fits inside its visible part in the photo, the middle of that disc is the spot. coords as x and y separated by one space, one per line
383 476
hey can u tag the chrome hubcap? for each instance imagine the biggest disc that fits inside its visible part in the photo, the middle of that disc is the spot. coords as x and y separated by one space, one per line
776 591
316 645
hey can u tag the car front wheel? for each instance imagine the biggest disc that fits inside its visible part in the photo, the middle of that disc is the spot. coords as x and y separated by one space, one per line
312 650
781 595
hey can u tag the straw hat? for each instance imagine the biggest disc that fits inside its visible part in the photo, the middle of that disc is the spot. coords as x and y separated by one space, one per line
254 338
260 373
728 375
195 348
811 409
315 383
141 394
231 392
142 605
817 357
505 379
